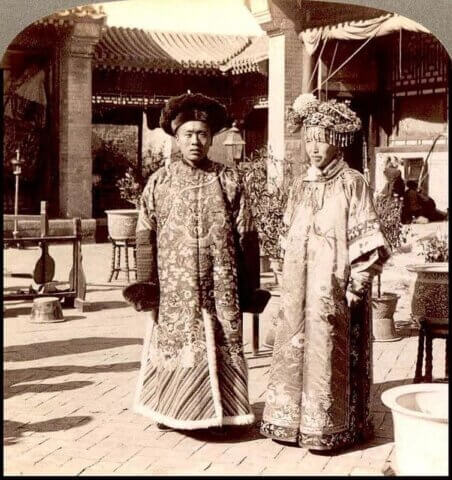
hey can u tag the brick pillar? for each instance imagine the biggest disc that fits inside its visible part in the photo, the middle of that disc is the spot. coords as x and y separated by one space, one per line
75 162
290 69
306 87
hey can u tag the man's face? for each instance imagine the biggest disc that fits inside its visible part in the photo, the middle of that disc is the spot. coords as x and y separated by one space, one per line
320 153
194 140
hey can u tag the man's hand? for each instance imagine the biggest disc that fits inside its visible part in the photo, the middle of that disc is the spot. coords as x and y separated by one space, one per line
255 302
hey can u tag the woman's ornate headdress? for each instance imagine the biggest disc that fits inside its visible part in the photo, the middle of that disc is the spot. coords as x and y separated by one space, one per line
331 121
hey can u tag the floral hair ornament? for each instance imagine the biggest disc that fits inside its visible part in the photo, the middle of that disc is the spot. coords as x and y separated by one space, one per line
331 121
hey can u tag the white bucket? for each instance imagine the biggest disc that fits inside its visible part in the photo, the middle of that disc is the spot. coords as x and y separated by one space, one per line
421 425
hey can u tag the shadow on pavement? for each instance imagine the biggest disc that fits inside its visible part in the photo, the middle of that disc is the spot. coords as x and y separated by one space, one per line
43 388
14 312
12 431
13 378
107 305
70 318
384 429
378 388
35 351
233 434
407 329
107 285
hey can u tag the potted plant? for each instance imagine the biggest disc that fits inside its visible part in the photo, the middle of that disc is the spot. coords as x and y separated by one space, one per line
253 172
389 210
270 214
267 202
430 301
122 222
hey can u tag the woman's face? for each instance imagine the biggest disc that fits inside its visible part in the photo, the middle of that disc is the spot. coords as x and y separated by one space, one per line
320 153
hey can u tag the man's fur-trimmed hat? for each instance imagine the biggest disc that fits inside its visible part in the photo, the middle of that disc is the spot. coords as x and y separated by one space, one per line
193 106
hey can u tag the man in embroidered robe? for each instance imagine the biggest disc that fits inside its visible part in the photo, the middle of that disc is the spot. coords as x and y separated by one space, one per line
197 270
319 381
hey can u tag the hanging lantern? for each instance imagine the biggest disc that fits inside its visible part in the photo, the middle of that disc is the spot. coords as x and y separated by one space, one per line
234 144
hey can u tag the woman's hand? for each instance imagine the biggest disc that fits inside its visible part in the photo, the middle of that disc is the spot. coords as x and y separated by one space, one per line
357 289
352 297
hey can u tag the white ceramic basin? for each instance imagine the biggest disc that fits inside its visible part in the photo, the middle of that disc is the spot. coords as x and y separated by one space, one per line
421 424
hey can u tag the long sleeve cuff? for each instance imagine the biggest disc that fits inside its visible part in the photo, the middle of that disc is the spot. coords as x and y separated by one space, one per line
146 256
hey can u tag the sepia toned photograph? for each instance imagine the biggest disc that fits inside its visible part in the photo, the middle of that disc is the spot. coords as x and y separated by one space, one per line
225 239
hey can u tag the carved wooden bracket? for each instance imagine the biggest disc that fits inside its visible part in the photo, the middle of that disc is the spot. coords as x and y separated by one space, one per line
81 39
277 16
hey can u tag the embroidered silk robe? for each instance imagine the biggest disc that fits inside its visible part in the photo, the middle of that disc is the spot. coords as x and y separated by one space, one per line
193 371
318 390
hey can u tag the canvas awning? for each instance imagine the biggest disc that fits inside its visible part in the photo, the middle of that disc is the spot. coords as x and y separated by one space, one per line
251 58
129 48
359 30
136 49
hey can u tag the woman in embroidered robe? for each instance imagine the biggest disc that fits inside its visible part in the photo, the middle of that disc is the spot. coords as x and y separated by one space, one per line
197 251
319 382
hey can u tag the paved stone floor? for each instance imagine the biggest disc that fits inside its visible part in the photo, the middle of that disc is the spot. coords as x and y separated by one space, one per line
68 389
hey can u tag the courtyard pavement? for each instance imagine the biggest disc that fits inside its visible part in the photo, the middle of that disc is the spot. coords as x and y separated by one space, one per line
68 388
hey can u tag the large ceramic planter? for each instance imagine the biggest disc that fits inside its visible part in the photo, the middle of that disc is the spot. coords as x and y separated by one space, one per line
430 301
276 267
272 312
383 309
122 223
264 264
421 424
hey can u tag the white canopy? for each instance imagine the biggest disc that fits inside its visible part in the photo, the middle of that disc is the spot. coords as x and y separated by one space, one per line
359 30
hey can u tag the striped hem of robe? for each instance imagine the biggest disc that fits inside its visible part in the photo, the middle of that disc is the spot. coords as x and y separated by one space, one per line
216 421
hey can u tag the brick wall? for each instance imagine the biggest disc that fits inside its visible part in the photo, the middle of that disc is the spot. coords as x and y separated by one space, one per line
75 166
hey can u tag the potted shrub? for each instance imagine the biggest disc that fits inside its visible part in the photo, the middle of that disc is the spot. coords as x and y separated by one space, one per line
122 222
389 210
253 172
271 212
430 301
267 202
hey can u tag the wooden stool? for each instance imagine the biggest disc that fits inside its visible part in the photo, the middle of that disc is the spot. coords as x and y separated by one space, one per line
427 332
46 310
117 245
